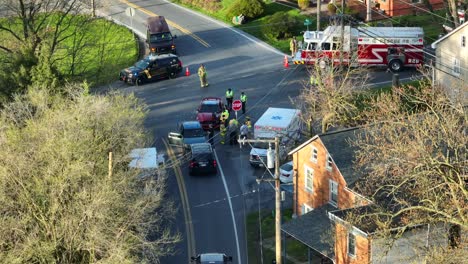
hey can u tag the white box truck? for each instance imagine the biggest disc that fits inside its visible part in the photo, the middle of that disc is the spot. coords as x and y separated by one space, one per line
283 122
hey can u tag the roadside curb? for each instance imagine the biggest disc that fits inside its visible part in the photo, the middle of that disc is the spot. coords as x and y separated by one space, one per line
227 26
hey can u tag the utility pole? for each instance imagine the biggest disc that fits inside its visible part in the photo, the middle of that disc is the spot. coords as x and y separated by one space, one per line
368 11
342 31
93 9
110 165
277 203
277 193
319 7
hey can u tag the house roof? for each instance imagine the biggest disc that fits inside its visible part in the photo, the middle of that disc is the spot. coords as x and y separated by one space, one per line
434 45
313 230
343 154
338 146
368 218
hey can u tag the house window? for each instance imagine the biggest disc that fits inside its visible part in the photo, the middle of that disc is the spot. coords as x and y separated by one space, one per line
333 193
351 244
456 66
463 41
314 155
309 179
306 209
329 162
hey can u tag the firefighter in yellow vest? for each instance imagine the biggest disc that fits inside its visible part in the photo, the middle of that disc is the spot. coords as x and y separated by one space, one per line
224 117
202 75
229 98
243 99
222 132
248 123
313 81
233 128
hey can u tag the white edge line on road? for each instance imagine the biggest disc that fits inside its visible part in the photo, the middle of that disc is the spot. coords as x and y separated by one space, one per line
230 206
258 42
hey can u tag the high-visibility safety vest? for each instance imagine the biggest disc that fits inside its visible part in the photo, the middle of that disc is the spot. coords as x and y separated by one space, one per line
222 129
313 80
229 94
224 115
233 122
243 98
248 123
201 71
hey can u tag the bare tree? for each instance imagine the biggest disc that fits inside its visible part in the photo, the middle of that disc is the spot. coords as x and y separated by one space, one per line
415 158
328 98
59 203
38 21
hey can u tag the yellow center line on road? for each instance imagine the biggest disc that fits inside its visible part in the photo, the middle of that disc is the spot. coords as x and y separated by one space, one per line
184 198
171 23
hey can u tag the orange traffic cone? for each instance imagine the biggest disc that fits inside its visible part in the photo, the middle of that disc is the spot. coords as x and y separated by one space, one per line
286 61
187 72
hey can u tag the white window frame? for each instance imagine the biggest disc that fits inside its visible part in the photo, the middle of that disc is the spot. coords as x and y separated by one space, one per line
328 166
306 171
314 155
332 184
305 209
353 255
456 66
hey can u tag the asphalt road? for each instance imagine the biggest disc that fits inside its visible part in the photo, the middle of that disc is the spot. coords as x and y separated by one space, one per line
233 60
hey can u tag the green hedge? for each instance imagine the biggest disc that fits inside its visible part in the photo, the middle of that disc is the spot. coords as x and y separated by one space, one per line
249 8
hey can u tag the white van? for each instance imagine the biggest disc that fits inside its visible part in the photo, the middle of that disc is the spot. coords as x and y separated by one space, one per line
283 122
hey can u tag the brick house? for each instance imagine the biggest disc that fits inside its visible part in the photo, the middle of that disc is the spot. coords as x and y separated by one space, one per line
323 198
452 62
360 242
321 184
380 9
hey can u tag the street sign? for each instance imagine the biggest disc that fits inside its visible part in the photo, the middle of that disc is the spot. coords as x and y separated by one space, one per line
130 11
236 105
307 22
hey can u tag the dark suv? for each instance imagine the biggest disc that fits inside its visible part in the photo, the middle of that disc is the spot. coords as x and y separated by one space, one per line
202 160
152 67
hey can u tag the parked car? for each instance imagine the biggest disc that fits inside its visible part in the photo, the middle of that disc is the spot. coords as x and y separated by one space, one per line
190 132
152 67
212 258
286 172
209 112
202 159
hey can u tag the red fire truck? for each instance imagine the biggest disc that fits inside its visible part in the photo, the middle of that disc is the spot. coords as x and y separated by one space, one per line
393 47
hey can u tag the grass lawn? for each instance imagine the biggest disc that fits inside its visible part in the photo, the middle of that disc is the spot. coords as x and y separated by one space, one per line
294 248
92 50
432 24
254 27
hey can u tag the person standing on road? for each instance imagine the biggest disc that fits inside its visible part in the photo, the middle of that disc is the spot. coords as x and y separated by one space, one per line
229 98
248 123
293 46
243 99
244 131
233 128
222 133
224 117
202 75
